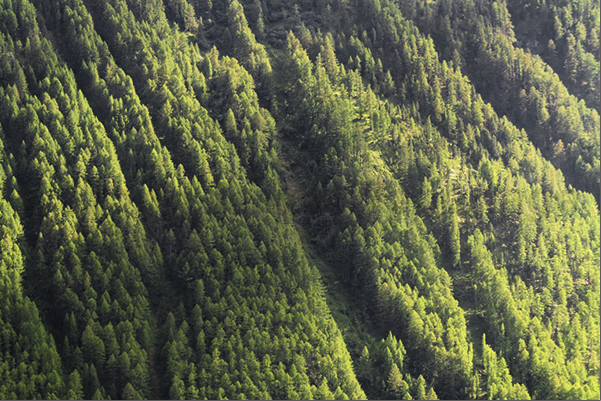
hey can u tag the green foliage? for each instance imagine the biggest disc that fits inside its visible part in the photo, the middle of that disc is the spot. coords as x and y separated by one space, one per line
480 38
186 186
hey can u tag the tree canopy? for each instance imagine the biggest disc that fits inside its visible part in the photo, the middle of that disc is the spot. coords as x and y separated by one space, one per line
336 199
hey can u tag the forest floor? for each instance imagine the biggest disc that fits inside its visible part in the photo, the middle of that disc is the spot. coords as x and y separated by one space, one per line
155 380
351 318
463 292
350 315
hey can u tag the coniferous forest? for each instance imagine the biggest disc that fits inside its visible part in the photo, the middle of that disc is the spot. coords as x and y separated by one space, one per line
318 199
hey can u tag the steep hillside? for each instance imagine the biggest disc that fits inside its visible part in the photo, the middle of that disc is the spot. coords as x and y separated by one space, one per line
338 199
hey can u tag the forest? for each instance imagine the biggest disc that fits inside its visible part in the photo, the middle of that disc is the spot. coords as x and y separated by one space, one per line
318 199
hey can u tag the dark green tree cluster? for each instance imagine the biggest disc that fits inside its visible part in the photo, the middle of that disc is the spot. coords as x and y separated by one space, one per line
88 249
479 37
566 35
30 366
380 372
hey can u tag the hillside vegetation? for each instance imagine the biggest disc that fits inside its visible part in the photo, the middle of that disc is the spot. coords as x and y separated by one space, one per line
320 199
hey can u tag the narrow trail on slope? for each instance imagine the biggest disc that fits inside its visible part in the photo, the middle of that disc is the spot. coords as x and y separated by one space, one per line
155 380
464 293
351 317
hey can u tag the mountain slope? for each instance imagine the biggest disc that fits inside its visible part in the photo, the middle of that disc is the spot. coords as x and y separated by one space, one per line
256 199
